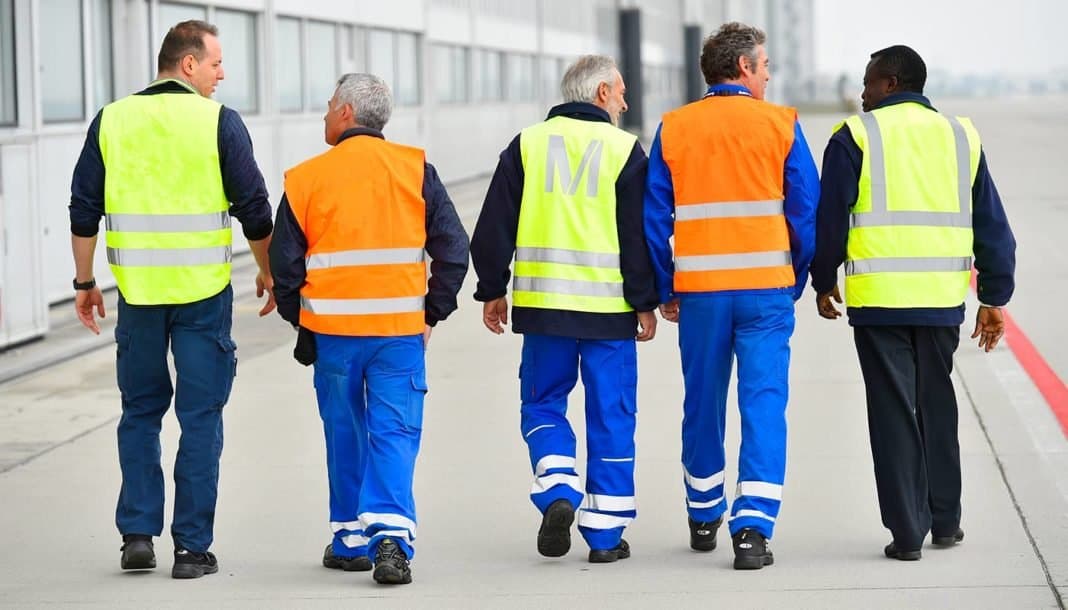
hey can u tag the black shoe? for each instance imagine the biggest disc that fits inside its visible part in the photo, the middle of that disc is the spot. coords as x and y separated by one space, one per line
554 536
703 534
391 564
946 541
188 564
137 552
751 550
622 551
349 564
893 552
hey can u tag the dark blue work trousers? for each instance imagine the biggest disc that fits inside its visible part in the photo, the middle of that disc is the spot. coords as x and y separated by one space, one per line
198 335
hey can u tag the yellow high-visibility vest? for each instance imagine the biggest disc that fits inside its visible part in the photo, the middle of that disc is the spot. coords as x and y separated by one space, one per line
910 236
167 217
567 244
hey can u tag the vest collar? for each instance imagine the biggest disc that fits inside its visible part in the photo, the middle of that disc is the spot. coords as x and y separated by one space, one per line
170 85
580 110
360 131
901 98
727 89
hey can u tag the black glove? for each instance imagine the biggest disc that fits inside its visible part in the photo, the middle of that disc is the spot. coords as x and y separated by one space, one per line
305 351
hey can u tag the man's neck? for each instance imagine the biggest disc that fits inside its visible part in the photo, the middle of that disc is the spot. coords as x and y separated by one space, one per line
175 77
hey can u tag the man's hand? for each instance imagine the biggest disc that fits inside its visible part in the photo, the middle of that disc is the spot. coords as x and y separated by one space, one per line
989 327
647 324
84 303
265 283
670 311
825 307
494 314
426 334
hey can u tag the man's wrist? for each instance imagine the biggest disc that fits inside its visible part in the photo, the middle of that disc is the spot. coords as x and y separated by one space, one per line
990 306
87 285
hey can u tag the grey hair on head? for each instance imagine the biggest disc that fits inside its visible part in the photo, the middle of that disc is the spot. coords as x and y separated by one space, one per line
583 77
369 96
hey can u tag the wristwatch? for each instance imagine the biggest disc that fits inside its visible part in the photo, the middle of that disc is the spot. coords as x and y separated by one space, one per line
84 285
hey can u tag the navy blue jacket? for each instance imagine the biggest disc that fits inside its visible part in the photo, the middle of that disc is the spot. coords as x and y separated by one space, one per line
446 243
994 245
242 180
493 244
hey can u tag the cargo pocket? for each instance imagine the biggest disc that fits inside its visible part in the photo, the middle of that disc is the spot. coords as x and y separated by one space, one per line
226 368
122 358
413 419
628 381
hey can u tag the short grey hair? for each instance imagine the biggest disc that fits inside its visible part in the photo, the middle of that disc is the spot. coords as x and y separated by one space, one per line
583 77
369 96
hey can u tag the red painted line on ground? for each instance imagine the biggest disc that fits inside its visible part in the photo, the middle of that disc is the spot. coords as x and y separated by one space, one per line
1042 375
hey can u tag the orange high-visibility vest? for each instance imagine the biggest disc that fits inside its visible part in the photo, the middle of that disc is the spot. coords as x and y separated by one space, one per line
361 207
727 155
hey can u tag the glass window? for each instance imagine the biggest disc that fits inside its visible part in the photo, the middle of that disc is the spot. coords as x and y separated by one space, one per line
520 78
450 73
103 81
550 78
352 51
406 93
237 34
489 76
322 63
171 14
7 63
380 57
61 61
288 73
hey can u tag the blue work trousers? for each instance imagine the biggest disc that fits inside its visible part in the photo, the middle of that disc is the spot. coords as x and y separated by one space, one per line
712 329
198 335
549 371
371 392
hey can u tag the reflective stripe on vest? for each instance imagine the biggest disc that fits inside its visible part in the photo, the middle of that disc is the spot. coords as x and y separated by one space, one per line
356 258
351 307
920 257
730 228
567 244
166 212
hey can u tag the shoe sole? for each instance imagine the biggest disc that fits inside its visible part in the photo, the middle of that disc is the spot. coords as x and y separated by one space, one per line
361 564
753 563
184 571
946 541
389 575
608 556
904 555
554 537
703 547
139 561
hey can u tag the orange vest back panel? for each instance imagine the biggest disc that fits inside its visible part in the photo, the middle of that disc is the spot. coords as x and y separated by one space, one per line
727 155
361 207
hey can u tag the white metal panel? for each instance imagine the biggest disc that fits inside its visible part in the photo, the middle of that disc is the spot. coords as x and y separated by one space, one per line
506 34
396 14
447 24
58 152
25 313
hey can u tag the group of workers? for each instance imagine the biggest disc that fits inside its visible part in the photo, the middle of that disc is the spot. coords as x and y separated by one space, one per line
718 228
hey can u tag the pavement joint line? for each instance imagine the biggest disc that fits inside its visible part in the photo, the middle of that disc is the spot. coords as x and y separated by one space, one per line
1012 494
55 446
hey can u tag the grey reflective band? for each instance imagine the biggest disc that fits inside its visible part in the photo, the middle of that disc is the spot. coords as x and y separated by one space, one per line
879 216
721 262
345 307
567 257
570 287
167 223
357 258
729 209
912 264
169 257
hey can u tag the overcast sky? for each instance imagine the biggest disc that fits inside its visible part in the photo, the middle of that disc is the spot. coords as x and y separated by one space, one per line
1014 36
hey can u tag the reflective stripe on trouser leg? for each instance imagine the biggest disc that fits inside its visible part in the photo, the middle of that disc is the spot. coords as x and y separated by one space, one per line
145 386
548 372
339 389
204 367
394 376
610 376
763 326
706 344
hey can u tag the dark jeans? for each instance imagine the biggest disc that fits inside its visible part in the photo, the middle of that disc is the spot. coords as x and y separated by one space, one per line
912 422
198 334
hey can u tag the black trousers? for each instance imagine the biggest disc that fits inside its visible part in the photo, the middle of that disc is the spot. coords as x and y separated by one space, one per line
912 422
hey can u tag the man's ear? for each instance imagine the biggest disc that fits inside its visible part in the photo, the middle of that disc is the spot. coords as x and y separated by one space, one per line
188 64
743 65
892 83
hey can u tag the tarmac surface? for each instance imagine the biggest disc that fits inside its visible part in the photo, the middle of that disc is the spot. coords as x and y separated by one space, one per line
59 475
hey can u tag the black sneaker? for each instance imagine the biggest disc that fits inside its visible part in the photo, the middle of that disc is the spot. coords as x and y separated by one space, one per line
554 536
621 551
893 552
703 534
137 552
349 564
751 550
957 537
188 564
391 564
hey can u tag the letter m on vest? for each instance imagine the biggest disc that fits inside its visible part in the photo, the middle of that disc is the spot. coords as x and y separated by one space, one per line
557 164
